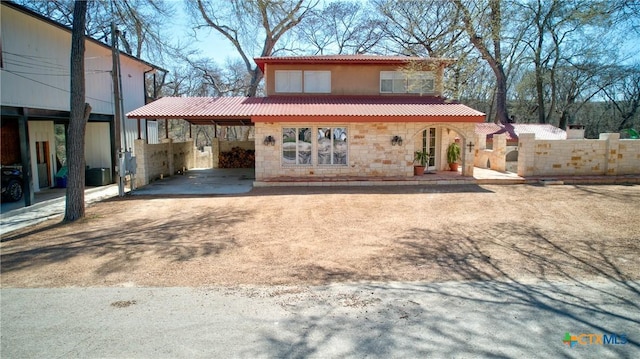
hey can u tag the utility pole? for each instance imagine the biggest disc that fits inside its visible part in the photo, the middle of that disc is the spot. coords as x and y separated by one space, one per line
117 114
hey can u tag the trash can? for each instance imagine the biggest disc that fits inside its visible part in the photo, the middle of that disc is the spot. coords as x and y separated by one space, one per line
61 178
98 176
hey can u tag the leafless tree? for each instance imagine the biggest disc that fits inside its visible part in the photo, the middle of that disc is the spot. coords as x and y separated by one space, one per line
341 27
141 22
422 27
483 25
623 93
254 27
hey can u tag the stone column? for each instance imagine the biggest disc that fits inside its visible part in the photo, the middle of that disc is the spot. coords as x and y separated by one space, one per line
526 154
142 173
215 153
611 153
498 160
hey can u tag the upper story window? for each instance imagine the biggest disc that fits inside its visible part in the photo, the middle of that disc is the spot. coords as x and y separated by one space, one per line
399 82
288 81
291 81
317 81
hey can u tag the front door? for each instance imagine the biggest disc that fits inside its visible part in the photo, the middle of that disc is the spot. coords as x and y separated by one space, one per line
429 145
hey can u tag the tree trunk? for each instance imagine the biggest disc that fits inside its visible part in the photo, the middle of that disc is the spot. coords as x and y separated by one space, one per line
494 60
79 113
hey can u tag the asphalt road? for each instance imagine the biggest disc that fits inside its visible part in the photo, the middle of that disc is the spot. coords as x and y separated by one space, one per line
447 320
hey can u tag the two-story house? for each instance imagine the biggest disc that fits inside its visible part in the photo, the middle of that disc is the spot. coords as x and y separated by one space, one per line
35 81
340 116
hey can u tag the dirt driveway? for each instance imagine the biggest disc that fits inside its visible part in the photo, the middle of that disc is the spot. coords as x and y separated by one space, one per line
321 235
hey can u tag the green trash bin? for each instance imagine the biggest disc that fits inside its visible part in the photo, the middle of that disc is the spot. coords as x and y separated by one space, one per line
98 176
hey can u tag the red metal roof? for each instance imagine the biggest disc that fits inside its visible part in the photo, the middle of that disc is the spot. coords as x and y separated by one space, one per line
309 109
542 131
350 59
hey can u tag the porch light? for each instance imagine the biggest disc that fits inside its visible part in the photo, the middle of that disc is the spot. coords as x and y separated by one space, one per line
269 141
396 141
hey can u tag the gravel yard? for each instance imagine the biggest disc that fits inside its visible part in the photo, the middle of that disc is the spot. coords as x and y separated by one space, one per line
290 236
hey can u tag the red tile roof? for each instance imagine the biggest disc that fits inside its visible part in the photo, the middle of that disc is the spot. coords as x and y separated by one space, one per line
310 109
350 59
542 131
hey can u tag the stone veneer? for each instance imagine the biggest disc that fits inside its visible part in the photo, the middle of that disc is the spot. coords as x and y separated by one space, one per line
370 152
607 155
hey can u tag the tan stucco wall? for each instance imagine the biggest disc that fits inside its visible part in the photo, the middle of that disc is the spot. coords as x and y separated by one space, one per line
347 79
370 150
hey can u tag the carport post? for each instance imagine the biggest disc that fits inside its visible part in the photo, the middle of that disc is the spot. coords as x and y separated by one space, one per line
25 157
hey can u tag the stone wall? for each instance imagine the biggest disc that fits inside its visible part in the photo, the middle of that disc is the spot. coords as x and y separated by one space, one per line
183 156
628 160
607 155
370 152
204 158
163 159
494 158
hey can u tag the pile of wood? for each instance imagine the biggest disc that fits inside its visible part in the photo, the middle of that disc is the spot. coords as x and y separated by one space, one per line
237 158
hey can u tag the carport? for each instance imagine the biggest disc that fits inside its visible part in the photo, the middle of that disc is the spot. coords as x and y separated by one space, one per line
190 110
197 169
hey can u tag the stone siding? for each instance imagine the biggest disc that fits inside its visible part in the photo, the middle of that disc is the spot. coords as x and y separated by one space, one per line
607 155
628 157
370 151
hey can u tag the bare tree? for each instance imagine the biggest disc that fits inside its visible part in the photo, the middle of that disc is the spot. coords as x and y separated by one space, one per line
80 111
141 22
253 27
560 33
422 27
488 22
341 27
624 95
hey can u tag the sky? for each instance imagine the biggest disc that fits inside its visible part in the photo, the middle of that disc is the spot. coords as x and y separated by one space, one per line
213 45
209 43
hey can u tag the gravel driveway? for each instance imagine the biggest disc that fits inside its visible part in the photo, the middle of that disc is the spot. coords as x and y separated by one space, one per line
322 235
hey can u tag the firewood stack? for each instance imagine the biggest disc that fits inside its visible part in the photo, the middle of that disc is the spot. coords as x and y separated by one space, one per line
237 158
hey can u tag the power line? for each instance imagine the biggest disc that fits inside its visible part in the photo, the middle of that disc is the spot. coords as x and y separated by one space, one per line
55 87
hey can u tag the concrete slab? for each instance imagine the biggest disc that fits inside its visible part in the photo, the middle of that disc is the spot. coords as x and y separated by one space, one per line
202 181
51 203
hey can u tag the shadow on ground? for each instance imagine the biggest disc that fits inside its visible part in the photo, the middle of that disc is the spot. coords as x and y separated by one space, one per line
120 248
489 307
